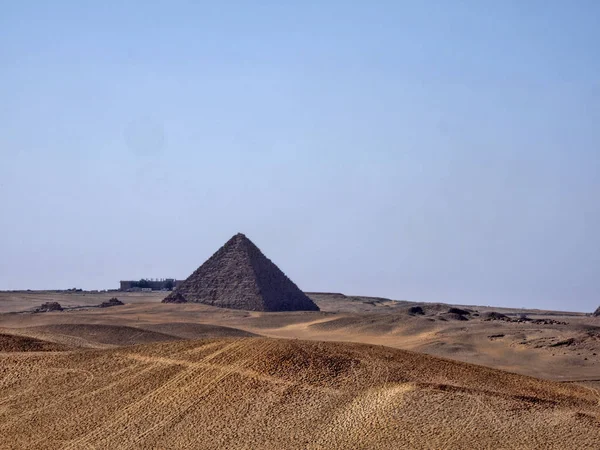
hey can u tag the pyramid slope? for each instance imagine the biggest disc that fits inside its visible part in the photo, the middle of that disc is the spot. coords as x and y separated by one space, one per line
239 276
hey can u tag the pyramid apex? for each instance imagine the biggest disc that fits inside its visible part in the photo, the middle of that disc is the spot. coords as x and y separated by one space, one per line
238 237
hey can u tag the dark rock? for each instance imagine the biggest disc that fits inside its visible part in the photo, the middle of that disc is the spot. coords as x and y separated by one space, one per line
462 312
416 310
112 302
493 315
49 306
564 343
454 316
547 322
597 312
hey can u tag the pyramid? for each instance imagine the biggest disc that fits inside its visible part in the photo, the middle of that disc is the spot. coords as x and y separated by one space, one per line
597 312
239 276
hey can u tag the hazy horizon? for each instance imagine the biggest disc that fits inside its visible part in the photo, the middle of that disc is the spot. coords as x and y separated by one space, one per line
427 152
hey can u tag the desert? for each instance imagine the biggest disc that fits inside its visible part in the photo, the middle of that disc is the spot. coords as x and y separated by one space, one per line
137 370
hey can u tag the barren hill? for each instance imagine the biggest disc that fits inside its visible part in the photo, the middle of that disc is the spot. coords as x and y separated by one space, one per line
15 343
86 335
270 393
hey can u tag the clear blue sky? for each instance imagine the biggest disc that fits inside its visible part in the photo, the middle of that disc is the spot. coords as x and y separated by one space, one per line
432 151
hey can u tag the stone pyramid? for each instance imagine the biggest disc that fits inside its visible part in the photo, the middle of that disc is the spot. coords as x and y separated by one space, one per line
239 276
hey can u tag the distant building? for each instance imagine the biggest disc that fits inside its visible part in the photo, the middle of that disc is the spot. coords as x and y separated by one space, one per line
145 285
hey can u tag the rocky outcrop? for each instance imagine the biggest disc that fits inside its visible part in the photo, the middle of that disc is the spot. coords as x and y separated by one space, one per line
112 302
493 315
461 312
49 306
416 311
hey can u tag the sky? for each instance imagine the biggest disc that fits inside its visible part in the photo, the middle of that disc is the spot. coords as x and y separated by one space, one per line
440 151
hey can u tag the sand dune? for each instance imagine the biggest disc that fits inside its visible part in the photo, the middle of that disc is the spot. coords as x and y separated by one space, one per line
189 330
93 335
270 393
73 335
568 350
136 376
14 343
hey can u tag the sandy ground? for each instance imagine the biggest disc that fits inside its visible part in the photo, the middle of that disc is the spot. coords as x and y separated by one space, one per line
152 375
527 348
273 393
